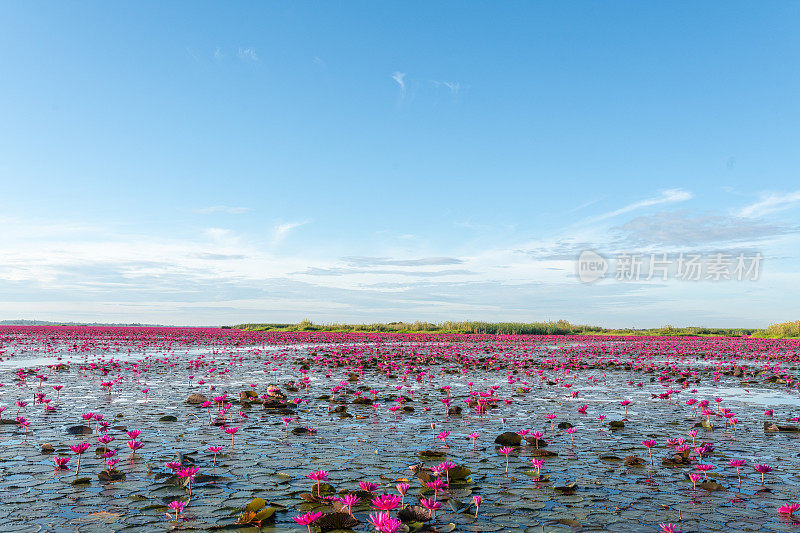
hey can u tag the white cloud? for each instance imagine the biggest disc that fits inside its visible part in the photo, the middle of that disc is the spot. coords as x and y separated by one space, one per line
217 234
281 231
228 210
454 86
771 203
248 54
667 197
399 77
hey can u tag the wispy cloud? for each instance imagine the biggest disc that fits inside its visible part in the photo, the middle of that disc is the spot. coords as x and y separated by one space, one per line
385 261
339 271
667 197
247 54
454 86
771 203
217 234
681 228
281 231
399 77
225 209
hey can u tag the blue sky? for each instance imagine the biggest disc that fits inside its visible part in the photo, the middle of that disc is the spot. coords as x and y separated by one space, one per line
205 163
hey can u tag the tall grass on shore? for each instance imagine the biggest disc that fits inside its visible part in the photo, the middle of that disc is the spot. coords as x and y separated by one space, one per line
785 330
558 327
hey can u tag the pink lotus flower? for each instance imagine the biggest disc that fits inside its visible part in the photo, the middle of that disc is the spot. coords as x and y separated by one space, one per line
134 445
188 472
177 506
789 508
505 450
231 431
649 445
368 486
386 502
402 488
763 469
430 504
61 463
306 519
318 476
350 500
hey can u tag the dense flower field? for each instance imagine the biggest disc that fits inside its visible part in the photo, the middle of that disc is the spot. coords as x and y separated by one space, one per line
124 429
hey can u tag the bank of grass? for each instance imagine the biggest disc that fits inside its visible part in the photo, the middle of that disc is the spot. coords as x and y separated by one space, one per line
785 330
558 327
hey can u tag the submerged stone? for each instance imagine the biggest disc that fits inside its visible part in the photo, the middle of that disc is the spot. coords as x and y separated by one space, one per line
509 438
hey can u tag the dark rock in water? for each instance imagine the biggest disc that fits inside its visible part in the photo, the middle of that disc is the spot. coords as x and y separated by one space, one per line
301 431
82 481
710 485
111 475
362 401
80 430
196 399
564 425
275 392
339 409
352 377
616 424
274 403
279 411
345 415
414 513
542 453
771 427
677 459
509 438
336 521
168 418
634 460
47 448
454 410
532 441
432 454
567 489
247 395
408 409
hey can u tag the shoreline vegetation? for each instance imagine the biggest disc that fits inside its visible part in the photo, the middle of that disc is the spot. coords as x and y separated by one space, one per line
558 327
785 330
